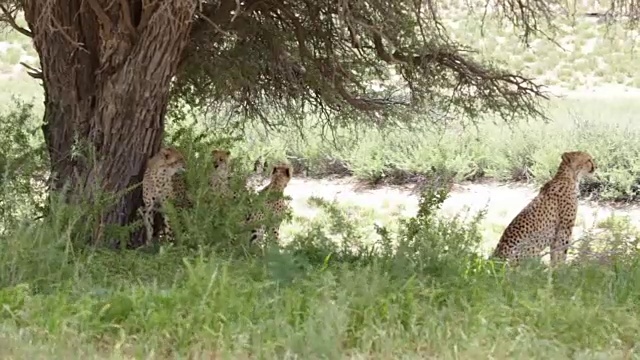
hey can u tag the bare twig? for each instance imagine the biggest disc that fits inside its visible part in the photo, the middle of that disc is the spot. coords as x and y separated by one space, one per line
214 25
237 11
11 20
59 28
33 72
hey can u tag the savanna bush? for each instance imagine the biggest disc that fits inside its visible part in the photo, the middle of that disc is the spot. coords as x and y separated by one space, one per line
421 281
416 287
23 165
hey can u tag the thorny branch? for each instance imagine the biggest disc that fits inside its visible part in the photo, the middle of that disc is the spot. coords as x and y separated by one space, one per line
9 17
325 56
33 72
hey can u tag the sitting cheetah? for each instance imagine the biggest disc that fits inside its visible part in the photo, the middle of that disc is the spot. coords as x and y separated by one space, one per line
159 184
274 202
179 183
548 220
256 179
219 179
221 174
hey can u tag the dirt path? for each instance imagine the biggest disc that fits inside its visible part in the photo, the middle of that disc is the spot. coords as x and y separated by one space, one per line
502 202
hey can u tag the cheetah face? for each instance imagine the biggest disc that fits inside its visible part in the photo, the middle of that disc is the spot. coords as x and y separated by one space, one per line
173 160
590 167
220 158
580 162
280 175
259 167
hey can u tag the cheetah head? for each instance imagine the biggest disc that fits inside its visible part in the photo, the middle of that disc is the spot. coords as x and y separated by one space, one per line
171 159
220 158
580 162
280 175
260 167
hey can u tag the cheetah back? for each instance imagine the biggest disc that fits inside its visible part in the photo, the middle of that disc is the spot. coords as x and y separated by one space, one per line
535 227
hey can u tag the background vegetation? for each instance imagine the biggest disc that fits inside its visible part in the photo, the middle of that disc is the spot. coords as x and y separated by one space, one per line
329 292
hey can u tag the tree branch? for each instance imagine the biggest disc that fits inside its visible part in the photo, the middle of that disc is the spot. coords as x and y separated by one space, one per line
219 16
10 18
327 70
472 72
33 72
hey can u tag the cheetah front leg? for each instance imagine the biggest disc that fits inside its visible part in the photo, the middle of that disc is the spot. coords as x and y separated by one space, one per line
560 244
275 232
147 219
257 235
167 230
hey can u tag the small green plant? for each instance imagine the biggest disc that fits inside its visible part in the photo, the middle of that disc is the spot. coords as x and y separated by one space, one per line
11 56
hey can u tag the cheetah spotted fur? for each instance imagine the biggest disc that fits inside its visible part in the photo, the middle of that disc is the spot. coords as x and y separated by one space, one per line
275 203
221 174
219 179
548 220
160 184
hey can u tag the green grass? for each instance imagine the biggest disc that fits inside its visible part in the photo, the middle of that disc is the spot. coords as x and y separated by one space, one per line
431 297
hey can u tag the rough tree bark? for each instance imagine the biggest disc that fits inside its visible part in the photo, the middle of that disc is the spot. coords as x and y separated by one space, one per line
107 68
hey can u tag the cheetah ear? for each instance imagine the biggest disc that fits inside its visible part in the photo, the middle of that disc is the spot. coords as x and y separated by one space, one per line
566 157
275 168
228 152
165 152
287 171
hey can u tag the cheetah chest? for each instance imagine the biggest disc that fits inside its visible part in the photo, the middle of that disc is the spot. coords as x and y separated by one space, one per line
163 186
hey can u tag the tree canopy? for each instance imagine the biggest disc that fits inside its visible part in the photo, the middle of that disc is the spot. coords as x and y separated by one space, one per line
262 56
326 56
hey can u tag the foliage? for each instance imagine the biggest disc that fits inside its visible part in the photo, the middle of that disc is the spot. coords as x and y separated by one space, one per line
289 59
429 291
22 166
606 128
283 61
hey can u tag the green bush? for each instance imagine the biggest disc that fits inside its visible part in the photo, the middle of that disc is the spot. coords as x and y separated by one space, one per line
521 151
420 290
22 166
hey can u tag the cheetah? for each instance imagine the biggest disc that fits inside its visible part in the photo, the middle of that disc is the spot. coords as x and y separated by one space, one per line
548 220
179 183
221 174
219 179
257 178
275 202
160 183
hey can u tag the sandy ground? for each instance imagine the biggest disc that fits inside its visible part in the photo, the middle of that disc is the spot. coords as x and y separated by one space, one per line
501 201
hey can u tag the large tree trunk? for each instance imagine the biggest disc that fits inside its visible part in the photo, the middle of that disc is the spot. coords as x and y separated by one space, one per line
107 69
